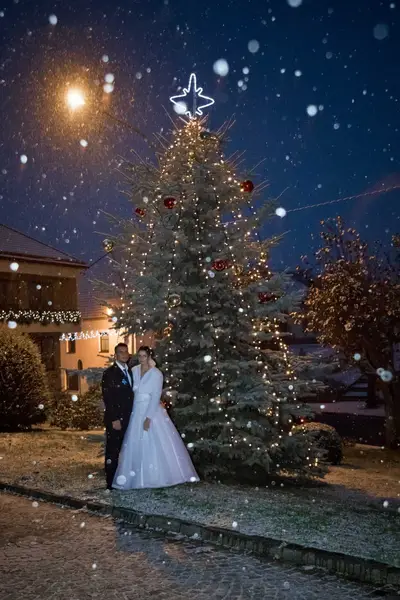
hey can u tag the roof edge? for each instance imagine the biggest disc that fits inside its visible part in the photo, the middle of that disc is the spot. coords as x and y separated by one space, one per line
67 256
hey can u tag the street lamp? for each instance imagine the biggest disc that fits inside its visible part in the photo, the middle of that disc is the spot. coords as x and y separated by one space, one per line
75 99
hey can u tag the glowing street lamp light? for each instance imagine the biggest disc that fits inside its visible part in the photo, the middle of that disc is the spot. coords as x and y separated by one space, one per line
75 99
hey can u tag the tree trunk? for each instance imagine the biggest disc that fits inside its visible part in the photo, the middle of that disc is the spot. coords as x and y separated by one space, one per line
372 400
391 395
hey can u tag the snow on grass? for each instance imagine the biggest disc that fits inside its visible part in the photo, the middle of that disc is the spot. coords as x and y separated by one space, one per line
346 515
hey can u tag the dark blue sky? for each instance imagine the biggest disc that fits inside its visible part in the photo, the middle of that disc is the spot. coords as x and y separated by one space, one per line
350 146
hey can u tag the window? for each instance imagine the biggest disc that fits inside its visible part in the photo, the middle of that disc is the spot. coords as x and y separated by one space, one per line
71 346
40 294
104 343
47 347
80 365
72 382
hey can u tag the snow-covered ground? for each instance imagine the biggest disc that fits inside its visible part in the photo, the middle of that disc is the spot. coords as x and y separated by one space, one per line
349 408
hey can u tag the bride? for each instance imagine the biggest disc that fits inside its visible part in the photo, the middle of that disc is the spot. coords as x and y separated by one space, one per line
153 454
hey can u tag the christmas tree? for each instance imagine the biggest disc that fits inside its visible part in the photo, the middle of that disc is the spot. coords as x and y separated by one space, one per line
195 274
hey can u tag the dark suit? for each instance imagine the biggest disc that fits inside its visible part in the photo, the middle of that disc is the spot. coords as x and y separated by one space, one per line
118 403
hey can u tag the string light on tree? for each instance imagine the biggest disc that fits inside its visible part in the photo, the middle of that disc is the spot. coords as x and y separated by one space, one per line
179 280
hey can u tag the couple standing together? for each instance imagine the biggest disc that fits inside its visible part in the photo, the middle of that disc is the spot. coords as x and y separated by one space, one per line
143 447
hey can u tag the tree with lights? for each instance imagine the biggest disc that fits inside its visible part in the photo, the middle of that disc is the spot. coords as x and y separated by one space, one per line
194 273
354 305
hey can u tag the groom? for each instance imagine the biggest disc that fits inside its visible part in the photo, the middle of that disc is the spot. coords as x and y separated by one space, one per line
117 388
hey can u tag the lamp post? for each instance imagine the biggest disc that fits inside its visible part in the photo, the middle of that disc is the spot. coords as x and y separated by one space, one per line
75 100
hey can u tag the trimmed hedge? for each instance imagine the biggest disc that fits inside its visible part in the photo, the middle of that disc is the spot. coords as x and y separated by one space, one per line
84 413
24 391
327 438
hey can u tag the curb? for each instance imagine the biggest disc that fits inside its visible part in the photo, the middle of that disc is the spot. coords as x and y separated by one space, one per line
353 567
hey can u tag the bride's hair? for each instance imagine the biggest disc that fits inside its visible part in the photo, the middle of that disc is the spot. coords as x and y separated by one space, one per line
149 351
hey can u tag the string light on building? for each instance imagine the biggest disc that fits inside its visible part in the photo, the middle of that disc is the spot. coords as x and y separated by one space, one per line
58 317
84 335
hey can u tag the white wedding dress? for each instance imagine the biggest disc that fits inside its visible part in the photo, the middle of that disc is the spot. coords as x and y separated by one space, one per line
158 457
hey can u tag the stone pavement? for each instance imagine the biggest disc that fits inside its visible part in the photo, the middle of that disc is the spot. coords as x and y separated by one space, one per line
47 552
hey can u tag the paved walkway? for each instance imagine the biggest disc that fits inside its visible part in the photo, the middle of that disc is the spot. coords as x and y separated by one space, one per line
47 553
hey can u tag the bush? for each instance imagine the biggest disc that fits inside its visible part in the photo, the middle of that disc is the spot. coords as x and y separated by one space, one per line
327 439
84 413
23 381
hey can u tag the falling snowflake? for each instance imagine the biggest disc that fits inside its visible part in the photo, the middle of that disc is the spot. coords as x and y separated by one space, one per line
312 110
221 67
386 376
53 20
280 212
180 108
121 480
12 324
14 266
253 46
23 158
381 31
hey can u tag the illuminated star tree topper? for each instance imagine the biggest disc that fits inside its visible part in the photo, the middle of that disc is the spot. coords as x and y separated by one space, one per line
199 100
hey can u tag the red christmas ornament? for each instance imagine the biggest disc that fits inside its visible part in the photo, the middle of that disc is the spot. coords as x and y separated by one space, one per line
169 202
140 212
220 264
247 186
265 297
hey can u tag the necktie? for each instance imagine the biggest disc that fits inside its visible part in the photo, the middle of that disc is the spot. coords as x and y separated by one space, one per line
128 376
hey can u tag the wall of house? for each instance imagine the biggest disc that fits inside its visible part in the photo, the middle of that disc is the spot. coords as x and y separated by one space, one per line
39 287
93 352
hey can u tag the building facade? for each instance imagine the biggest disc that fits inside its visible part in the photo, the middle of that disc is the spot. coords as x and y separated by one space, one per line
39 293
94 344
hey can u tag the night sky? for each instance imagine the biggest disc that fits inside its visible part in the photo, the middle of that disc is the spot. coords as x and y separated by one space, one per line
341 56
